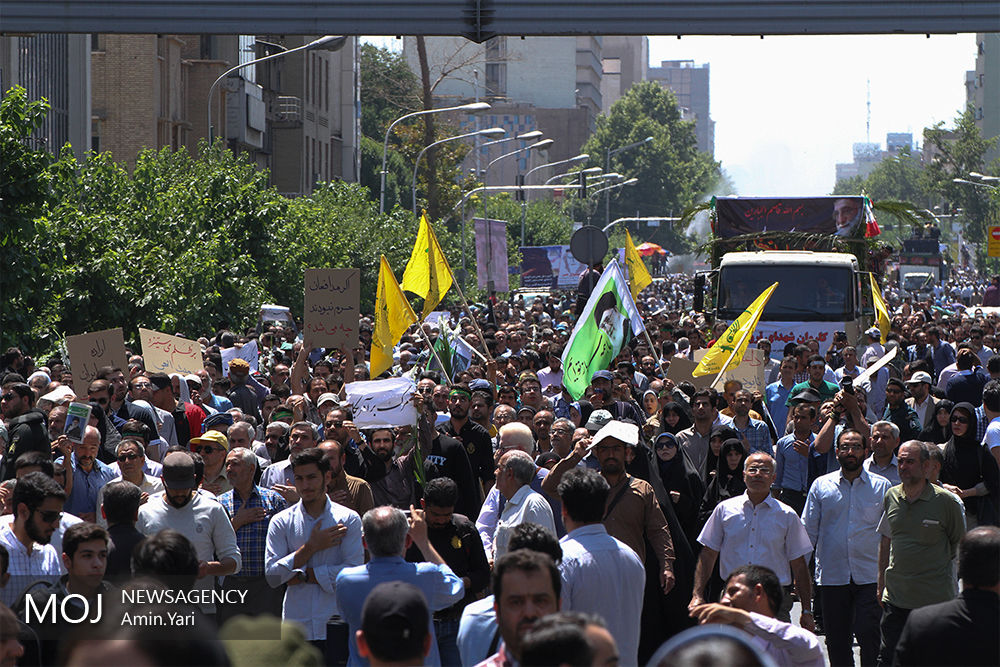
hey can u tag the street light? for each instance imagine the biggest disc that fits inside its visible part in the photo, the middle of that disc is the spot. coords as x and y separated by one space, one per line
976 183
589 171
983 177
607 167
491 132
472 106
575 158
538 145
329 42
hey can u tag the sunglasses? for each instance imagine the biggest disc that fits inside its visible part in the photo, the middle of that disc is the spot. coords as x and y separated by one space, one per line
7 397
667 444
51 516
959 419
122 458
209 450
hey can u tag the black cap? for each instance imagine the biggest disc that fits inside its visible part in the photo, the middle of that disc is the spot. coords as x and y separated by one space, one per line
395 620
178 471
807 395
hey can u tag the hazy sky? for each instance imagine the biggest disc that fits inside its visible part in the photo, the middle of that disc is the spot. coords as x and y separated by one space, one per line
787 109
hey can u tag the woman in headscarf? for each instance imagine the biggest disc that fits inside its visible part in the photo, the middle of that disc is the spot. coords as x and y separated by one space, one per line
682 482
728 480
939 429
718 435
674 418
726 483
970 470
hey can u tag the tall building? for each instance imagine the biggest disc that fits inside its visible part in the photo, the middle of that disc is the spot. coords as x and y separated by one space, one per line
625 61
690 83
551 84
55 67
296 116
983 89
867 155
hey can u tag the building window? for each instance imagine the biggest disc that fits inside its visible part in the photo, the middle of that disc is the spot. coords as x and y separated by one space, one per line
326 85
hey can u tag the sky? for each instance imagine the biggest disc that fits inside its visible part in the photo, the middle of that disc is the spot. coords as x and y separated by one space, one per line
788 109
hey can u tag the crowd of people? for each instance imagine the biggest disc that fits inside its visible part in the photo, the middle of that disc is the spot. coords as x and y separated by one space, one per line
239 515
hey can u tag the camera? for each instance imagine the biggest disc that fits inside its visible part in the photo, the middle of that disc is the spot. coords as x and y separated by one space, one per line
847 384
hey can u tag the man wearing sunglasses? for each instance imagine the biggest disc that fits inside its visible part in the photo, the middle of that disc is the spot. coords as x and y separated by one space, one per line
131 459
25 425
213 447
37 502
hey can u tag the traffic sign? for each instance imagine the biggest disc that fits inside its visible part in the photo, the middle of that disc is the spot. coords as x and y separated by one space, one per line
993 246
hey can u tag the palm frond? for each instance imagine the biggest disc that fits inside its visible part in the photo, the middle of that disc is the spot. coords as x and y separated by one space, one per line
688 215
903 211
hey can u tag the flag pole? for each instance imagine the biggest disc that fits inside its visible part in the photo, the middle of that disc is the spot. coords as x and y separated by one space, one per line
427 339
482 339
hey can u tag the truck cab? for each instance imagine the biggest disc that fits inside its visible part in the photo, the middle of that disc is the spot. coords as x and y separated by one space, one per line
818 294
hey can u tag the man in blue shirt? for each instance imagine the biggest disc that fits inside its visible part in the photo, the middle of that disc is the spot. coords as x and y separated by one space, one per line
388 534
778 392
792 457
942 353
89 475
841 515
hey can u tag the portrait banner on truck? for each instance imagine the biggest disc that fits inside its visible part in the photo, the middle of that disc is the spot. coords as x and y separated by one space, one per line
549 267
836 216
782 333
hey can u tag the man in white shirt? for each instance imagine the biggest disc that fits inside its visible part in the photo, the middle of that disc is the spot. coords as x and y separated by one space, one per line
755 528
37 503
308 545
551 376
196 515
600 574
751 596
515 471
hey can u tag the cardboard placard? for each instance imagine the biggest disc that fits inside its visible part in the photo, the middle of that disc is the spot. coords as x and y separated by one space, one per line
750 371
332 306
163 353
90 351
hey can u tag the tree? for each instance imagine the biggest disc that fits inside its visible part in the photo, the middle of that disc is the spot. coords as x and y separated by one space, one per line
673 175
956 153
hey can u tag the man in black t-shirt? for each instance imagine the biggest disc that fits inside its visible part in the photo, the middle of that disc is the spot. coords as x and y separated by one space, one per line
473 436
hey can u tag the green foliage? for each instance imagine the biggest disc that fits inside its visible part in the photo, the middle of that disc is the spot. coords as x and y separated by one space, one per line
673 175
957 152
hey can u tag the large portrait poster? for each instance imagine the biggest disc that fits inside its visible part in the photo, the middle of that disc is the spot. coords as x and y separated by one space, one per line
836 216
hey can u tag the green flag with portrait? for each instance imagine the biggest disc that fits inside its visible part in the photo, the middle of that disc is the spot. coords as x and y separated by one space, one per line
606 324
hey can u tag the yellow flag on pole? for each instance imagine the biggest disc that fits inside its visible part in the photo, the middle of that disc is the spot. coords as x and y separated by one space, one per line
881 312
732 344
427 273
393 316
638 275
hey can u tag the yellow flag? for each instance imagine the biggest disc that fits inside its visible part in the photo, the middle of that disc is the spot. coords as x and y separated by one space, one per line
638 276
721 356
427 273
393 316
881 312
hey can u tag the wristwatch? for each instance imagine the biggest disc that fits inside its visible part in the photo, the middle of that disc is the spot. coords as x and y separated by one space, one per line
301 576
806 612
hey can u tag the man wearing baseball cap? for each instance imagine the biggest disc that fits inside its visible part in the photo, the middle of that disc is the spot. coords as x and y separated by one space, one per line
394 626
899 413
213 446
921 400
195 515
601 382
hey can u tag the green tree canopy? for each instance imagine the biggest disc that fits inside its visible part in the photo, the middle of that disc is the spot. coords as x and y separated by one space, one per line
673 175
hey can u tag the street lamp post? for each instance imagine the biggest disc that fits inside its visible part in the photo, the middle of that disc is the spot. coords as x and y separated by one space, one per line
524 180
589 171
538 145
607 167
331 42
491 132
472 106
608 188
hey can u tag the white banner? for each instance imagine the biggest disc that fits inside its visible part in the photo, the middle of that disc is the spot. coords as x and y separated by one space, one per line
248 353
382 403
782 333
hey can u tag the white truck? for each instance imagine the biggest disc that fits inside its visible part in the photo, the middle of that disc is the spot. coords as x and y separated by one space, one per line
818 295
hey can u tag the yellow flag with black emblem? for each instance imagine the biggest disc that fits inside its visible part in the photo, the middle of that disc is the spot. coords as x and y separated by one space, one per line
393 316
729 349
427 273
638 275
881 312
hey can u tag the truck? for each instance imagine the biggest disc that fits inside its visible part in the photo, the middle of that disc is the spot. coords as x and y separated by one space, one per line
822 288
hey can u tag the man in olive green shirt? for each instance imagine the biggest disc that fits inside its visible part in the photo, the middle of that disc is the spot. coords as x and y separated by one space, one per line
921 526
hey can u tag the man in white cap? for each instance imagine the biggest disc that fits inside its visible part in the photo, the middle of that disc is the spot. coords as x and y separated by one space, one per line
632 513
921 400
875 350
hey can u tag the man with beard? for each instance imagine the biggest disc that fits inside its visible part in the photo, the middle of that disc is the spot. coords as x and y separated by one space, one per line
473 437
278 476
526 586
89 476
339 425
392 477
195 515
480 409
455 538
37 503
25 425
841 516
347 490
119 405
141 389
246 393
899 413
